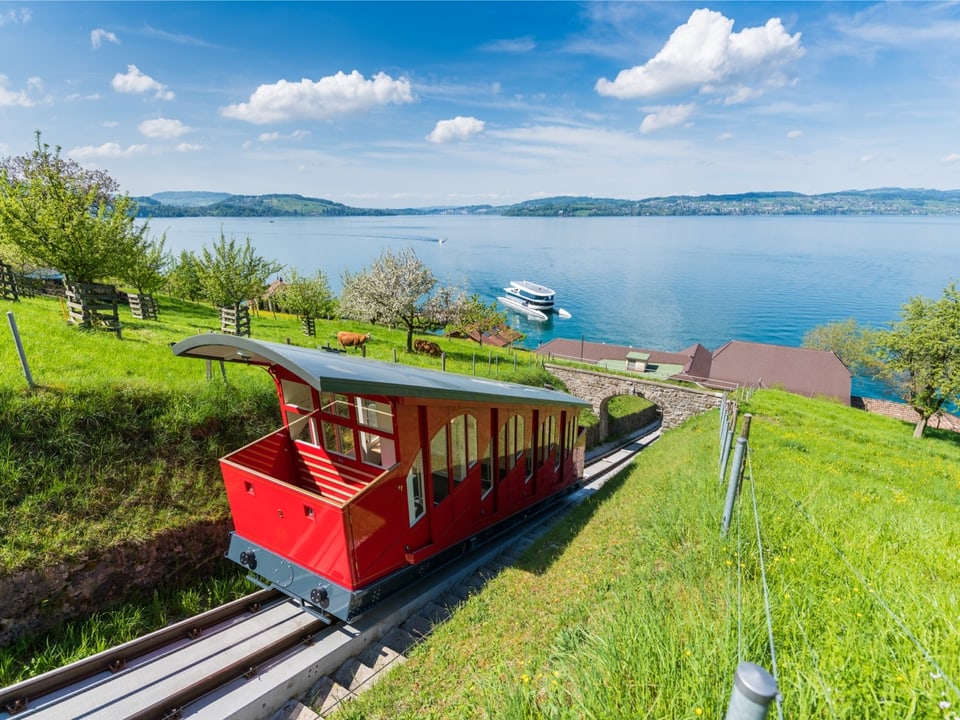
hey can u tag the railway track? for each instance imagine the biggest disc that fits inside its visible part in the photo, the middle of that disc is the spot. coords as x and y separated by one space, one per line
246 659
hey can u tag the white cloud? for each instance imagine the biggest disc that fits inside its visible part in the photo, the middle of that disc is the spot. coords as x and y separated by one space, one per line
11 17
666 116
107 150
794 134
135 81
512 45
951 158
459 128
704 52
324 99
866 158
98 36
189 147
163 128
273 136
742 94
20 98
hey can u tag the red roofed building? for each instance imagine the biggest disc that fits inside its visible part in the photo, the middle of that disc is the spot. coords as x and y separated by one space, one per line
814 373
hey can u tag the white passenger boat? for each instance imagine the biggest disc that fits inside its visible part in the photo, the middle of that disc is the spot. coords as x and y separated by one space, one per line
521 306
532 299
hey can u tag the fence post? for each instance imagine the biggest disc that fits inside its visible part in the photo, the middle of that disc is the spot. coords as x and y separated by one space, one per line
723 416
733 479
753 691
443 362
727 441
20 352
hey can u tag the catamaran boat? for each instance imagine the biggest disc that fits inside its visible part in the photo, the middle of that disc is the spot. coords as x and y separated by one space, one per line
532 299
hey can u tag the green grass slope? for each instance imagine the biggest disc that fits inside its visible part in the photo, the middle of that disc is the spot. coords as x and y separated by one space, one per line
635 606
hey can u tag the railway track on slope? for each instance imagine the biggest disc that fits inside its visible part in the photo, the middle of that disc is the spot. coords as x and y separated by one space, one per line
247 658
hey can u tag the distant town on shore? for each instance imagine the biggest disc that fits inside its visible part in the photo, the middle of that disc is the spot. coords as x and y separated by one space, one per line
880 201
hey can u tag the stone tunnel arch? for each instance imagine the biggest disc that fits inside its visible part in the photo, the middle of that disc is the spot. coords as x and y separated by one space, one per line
675 403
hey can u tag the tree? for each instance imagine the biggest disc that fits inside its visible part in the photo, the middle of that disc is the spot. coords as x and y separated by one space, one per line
854 344
230 274
400 289
479 317
922 354
149 264
62 216
308 297
183 279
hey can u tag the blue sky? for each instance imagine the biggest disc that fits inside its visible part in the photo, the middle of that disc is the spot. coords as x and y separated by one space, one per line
450 103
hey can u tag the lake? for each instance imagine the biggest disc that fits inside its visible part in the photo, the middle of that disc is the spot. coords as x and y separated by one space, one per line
650 282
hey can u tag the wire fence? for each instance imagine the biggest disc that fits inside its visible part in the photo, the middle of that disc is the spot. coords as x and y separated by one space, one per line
741 473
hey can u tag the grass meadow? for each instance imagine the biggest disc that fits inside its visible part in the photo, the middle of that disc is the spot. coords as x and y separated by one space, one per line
636 606
633 606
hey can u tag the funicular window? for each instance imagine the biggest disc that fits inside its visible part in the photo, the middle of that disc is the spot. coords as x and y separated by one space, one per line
376 448
338 438
463 446
337 434
555 441
298 402
439 472
416 500
511 444
335 404
486 463
571 437
547 440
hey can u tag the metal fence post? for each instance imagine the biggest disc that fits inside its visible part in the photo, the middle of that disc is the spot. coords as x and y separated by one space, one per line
727 442
20 351
723 416
733 479
753 691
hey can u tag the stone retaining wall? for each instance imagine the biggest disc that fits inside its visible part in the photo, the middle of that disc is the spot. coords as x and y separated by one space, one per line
676 403
36 600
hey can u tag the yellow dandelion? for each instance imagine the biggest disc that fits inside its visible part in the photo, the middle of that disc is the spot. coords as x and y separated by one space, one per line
699 711
687 652
786 596
525 678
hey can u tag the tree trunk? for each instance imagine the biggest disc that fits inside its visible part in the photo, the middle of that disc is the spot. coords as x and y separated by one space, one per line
920 427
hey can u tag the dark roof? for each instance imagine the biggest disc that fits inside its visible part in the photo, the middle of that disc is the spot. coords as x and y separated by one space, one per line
338 372
799 370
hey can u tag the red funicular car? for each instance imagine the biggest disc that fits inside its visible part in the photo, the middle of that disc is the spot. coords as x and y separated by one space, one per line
383 470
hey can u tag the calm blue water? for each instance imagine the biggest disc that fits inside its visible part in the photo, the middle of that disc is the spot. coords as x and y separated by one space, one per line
653 283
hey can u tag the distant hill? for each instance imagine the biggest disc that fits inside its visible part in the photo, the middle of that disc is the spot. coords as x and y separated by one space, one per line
879 201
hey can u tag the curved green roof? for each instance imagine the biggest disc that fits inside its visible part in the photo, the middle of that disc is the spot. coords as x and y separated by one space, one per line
337 372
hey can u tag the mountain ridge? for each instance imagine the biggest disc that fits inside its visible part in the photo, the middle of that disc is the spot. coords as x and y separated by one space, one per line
874 201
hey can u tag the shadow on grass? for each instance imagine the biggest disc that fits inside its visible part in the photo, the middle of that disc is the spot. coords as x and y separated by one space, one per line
551 546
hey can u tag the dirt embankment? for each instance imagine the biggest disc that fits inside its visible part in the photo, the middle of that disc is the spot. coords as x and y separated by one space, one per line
36 600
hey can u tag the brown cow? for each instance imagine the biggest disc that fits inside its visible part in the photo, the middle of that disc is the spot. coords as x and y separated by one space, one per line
351 339
427 346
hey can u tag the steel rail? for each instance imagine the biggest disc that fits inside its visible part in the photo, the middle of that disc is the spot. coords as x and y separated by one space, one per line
17 698
247 667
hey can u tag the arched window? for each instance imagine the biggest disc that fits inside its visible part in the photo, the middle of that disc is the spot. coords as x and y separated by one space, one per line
511 440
